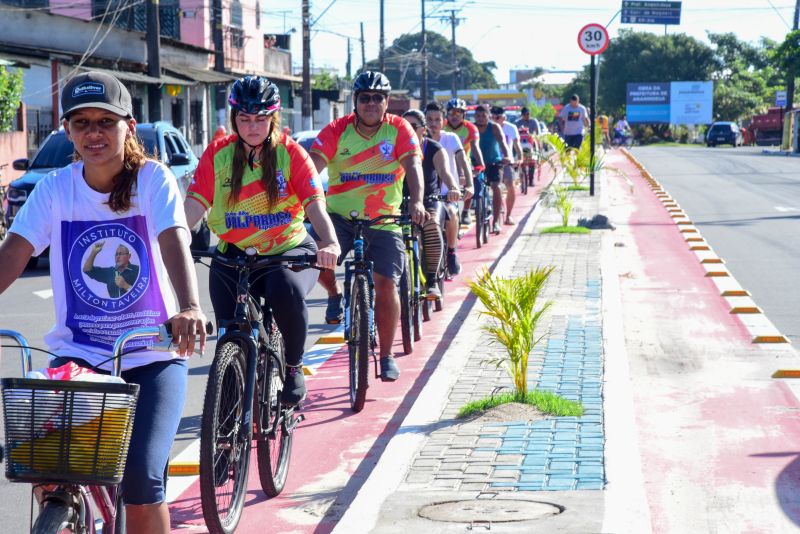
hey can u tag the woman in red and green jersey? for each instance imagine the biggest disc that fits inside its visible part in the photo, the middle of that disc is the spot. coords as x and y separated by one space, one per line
259 186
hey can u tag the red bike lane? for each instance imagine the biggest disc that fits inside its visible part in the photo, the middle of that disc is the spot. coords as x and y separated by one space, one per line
334 449
718 437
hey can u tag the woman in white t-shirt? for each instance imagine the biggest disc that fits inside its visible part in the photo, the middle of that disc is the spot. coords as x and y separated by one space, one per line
117 234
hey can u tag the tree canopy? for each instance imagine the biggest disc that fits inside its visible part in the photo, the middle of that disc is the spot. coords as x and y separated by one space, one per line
10 94
745 75
403 61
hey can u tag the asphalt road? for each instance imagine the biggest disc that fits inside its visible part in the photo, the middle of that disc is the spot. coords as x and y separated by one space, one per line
27 307
746 205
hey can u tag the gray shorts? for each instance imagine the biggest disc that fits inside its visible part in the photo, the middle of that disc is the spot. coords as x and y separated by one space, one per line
508 173
385 249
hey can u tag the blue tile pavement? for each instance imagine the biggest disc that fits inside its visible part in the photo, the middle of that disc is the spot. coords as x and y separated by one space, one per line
565 453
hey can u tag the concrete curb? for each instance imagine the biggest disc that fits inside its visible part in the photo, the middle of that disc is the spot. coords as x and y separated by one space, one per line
761 329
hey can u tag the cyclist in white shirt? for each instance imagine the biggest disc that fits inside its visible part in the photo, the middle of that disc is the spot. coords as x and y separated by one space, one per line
512 140
459 166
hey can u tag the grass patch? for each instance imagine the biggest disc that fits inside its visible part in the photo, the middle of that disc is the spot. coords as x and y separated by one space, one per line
578 188
546 402
564 230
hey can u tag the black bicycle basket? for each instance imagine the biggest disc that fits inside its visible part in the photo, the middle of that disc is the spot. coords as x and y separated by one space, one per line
67 431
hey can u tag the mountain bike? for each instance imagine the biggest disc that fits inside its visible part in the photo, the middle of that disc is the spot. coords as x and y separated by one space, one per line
412 302
482 203
359 309
242 400
70 440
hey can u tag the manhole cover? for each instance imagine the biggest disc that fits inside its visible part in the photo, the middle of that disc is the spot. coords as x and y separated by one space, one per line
496 511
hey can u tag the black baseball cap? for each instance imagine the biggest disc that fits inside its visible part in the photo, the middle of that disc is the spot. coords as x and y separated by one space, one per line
96 90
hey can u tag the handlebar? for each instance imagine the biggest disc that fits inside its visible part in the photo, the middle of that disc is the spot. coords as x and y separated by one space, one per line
303 261
27 366
162 332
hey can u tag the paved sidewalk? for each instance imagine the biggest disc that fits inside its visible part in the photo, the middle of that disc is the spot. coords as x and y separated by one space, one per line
498 462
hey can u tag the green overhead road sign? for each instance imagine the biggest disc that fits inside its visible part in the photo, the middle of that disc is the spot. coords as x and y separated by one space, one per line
650 12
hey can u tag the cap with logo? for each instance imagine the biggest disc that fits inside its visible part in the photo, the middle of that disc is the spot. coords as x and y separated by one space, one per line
96 90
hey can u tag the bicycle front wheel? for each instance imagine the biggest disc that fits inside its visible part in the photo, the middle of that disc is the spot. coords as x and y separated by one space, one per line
56 517
359 342
224 444
274 445
406 309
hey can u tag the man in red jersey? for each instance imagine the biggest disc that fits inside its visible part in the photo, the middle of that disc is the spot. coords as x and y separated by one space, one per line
368 155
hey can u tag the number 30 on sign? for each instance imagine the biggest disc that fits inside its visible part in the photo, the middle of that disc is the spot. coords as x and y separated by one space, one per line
593 39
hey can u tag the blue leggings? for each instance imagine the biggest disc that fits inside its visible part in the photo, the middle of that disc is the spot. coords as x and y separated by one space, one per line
162 391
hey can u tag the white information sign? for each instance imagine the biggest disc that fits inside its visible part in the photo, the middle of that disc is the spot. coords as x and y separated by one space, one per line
691 102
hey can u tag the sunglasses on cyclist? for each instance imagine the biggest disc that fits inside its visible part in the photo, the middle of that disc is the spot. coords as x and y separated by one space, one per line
376 98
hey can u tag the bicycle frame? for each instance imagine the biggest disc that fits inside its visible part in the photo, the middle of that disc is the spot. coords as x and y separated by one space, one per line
246 332
359 265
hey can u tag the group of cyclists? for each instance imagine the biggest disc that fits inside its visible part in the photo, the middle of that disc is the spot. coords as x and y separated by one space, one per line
257 188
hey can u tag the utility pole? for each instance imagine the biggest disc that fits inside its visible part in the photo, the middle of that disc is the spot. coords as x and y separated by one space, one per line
381 57
790 81
363 51
220 95
423 93
306 110
349 59
153 61
456 70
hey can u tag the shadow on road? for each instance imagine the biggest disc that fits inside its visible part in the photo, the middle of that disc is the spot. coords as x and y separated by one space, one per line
787 485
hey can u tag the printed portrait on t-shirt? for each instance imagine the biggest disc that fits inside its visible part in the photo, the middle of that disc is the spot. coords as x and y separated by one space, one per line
109 283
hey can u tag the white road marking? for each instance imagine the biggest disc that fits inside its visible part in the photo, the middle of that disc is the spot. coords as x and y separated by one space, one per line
44 294
784 209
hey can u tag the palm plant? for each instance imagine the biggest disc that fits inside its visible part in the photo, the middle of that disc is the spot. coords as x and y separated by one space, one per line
557 196
511 303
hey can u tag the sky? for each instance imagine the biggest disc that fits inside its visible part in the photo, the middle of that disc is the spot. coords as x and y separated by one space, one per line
516 34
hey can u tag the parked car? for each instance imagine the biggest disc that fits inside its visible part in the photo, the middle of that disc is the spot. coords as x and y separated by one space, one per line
306 138
160 139
724 133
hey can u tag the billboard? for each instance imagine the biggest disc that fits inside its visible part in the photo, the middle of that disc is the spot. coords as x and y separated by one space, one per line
670 102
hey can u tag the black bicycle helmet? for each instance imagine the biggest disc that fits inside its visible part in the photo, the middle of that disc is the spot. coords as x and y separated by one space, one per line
371 80
255 95
456 103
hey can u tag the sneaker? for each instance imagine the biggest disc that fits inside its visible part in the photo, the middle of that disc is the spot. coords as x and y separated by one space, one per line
294 387
466 217
389 370
432 292
496 228
453 266
334 313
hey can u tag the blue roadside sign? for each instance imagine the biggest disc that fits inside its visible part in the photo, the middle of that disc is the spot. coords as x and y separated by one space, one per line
650 12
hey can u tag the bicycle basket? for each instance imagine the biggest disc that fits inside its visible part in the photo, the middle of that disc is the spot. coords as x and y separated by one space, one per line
67 431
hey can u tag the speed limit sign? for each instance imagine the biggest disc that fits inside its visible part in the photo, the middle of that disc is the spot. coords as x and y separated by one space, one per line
593 39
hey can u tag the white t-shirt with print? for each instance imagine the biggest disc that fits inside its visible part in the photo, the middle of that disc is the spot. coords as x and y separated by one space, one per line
510 132
70 217
451 144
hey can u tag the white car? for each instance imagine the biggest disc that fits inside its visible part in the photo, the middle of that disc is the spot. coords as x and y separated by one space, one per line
306 139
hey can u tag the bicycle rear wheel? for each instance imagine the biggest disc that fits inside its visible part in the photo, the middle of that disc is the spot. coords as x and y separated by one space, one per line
359 342
274 445
406 308
224 445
